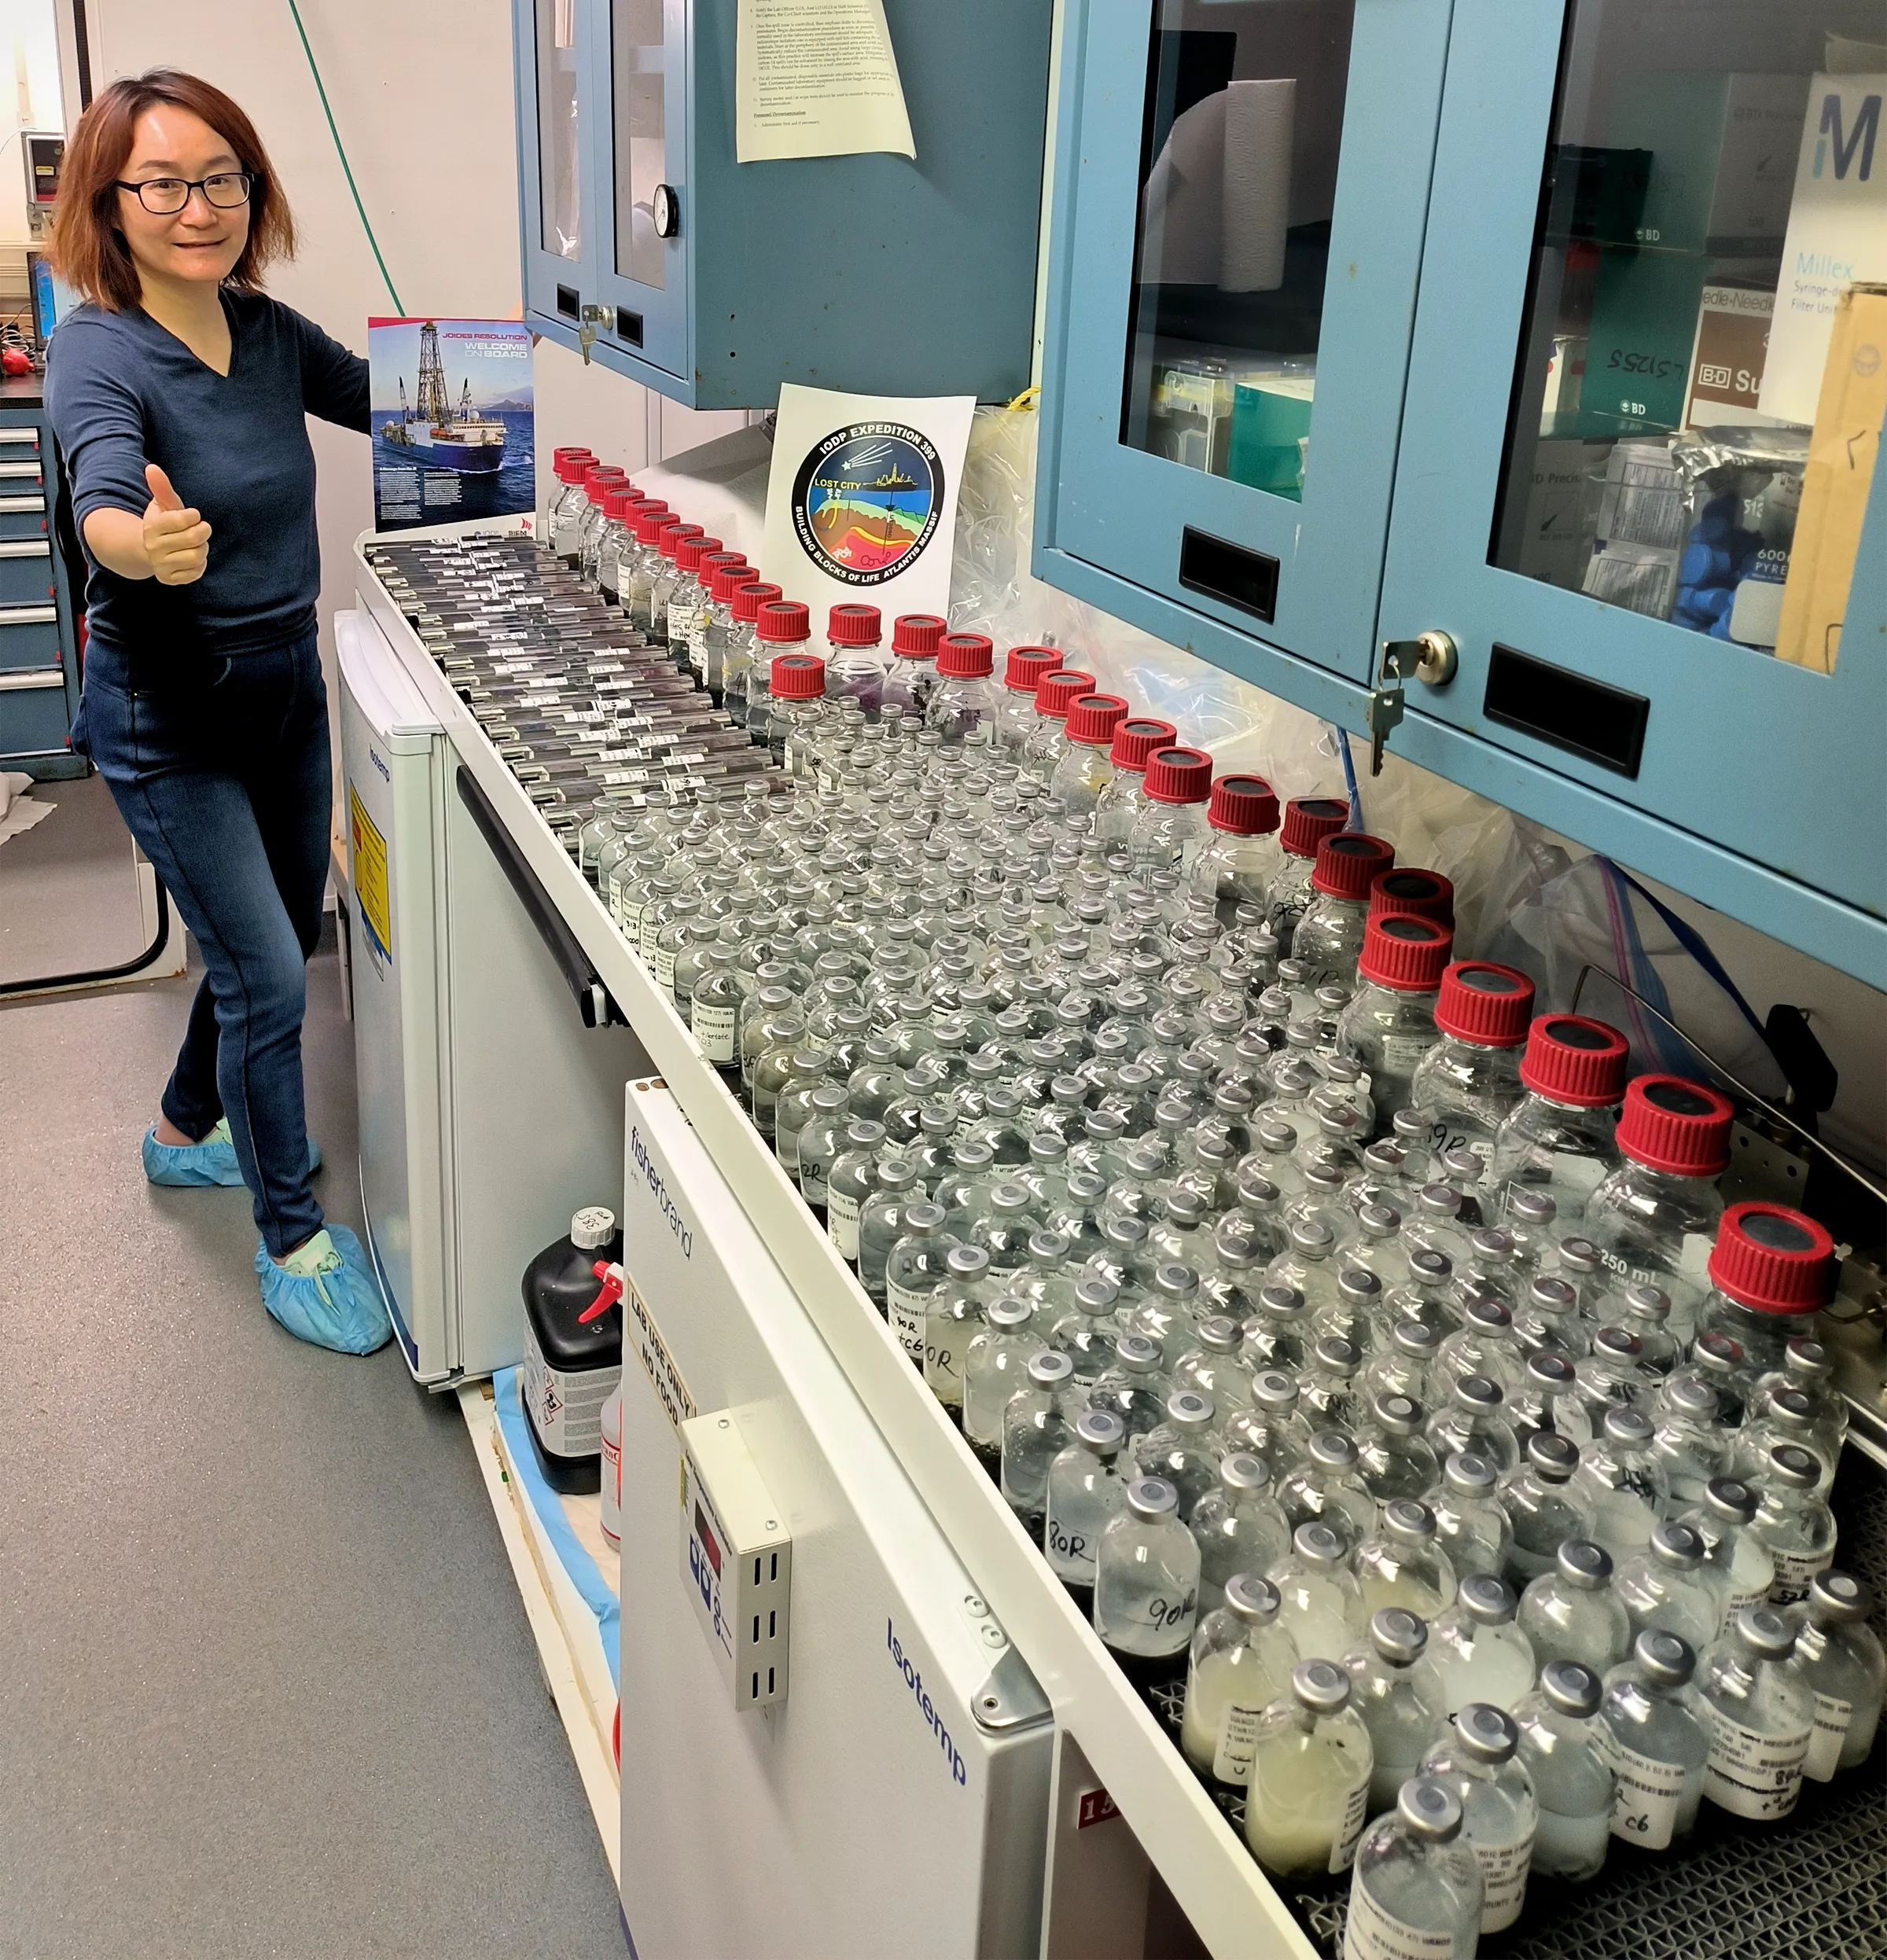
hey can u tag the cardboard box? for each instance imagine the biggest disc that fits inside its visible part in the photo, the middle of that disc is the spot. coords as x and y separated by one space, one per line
1842 454
1723 148
1838 236
1644 323
1727 360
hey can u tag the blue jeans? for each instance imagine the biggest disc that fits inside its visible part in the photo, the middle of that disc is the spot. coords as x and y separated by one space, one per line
219 765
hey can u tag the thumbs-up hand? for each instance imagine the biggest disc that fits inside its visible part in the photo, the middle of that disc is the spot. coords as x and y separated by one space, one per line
176 539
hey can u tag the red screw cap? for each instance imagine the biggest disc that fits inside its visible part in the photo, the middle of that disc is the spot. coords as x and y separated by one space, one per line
1060 690
565 450
729 579
1243 806
1348 861
1573 1059
690 553
570 468
782 622
1094 718
1137 737
648 524
673 535
917 636
851 624
1773 1259
623 500
1483 1003
796 677
1025 666
1308 820
1402 951
1670 1125
966 655
1403 888
1178 775
750 597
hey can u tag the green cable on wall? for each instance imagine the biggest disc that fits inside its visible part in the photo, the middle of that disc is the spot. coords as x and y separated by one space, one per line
340 151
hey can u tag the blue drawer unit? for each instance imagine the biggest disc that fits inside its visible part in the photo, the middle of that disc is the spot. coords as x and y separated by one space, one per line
39 678
712 281
1239 198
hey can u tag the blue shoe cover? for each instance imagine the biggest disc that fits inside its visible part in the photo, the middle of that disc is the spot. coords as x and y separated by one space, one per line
326 1294
195 1166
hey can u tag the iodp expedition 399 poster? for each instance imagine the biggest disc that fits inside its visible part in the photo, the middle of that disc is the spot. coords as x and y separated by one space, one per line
451 420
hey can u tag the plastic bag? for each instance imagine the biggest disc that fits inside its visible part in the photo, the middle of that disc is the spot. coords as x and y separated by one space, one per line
1743 487
1562 915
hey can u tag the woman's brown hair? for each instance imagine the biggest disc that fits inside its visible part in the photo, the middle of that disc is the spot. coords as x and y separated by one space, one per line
89 251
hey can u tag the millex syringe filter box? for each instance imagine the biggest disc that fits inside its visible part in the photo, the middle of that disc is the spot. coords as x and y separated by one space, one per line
1723 150
1837 235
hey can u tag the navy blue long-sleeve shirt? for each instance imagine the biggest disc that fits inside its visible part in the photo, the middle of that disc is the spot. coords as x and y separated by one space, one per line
123 392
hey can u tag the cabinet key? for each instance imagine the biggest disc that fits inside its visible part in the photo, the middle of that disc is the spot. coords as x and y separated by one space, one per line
1382 712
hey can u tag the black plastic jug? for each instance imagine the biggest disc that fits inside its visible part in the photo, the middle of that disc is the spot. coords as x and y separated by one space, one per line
573 1348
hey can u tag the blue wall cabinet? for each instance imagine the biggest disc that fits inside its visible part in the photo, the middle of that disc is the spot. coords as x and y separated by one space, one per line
39 678
713 281
1238 214
1550 253
1497 491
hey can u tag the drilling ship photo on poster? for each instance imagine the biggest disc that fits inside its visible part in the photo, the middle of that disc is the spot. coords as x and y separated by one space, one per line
451 420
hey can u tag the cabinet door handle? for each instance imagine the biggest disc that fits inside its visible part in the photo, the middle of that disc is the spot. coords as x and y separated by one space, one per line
26 548
29 615
19 682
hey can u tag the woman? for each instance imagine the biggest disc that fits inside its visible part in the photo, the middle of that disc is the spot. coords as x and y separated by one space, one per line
178 394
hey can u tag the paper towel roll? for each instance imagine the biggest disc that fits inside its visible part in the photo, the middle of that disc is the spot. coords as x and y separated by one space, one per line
1180 208
1255 201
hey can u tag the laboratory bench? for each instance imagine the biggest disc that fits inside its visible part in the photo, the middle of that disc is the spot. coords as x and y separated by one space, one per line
1128 1820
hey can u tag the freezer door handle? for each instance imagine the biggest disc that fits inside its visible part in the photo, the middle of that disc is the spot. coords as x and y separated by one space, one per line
593 1001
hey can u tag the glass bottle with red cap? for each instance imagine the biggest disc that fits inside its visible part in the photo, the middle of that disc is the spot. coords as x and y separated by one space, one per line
1389 1024
636 572
566 466
966 700
688 633
1055 694
620 508
1560 1139
1308 821
1121 801
1408 888
1024 669
1330 936
796 686
668 575
1237 859
1176 785
685 596
1083 771
567 506
915 638
783 626
718 625
1771 1270
1470 1078
583 521
1655 1218
854 655
738 656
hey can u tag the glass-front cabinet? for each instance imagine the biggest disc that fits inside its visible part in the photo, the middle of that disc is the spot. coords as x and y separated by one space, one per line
1226 350
1645 395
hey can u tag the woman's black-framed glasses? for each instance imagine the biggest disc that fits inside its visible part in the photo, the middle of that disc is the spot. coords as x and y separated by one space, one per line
164 196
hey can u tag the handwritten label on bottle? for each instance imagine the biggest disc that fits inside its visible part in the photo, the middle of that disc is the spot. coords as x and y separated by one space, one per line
907 1307
1753 1775
1793 1570
714 1023
1832 1718
1644 1812
1370 1934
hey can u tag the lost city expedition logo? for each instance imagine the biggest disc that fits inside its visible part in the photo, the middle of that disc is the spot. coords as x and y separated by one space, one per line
866 501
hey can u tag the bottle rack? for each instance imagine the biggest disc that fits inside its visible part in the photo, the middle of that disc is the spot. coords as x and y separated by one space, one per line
1108 1735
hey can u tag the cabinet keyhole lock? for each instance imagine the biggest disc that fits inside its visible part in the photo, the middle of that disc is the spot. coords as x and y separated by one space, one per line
1429 658
591 318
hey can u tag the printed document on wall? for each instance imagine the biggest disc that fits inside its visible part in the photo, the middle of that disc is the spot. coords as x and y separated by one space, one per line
816 78
861 501
1838 236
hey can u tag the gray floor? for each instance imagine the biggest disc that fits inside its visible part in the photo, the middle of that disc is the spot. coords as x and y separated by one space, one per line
68 896
266 1686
